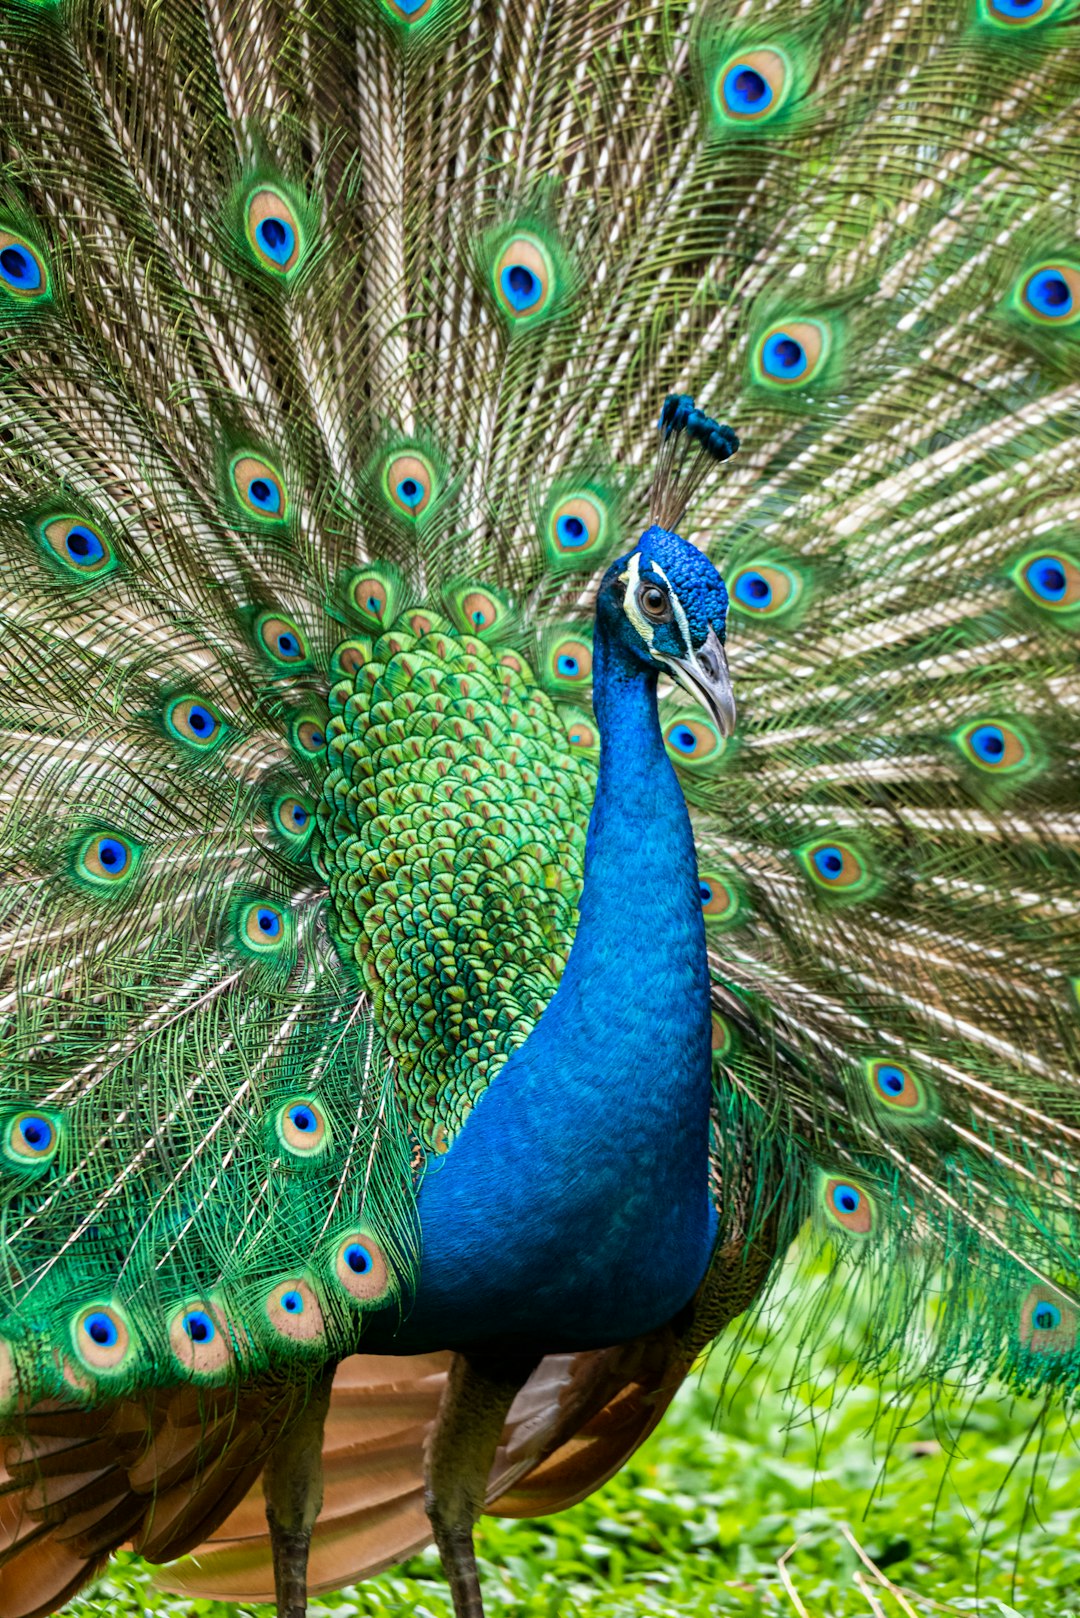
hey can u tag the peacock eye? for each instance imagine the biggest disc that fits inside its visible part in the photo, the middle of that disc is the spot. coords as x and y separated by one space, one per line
302 1127
654 603
1015 13
107 860
260 488
792 353
409 484
753 87
22 272
194 721
524 278
78 546
264 928
273 231
281 638
1050 294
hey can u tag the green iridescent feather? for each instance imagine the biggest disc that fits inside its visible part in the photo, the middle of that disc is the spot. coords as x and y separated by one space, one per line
907 503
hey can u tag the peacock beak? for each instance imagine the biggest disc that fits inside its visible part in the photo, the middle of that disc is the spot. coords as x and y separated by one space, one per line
705 675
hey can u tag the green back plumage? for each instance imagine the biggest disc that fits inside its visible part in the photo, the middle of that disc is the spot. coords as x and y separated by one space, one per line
274 450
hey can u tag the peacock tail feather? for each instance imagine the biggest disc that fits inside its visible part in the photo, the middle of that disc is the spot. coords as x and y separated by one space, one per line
332 344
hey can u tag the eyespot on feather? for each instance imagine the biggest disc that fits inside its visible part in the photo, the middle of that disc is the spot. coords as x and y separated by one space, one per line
23 272
719 899
294 817
264 928
361 1269
273 231
349 658
764 590
409 484
1016 14
476 609
1049 294
722 1038
576 529
102 1340
375 596
895 1087
753 86
791 353
309 735
524 278
581 733
302 1128
200 1340
1048 1321
847 1205
294 1311
195 721
994 746
281 638
835 866
567 662
259 488
31 1140
1050 579
79 546
107 860
693 744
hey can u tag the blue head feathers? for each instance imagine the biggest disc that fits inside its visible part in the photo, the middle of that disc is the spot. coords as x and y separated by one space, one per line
664 602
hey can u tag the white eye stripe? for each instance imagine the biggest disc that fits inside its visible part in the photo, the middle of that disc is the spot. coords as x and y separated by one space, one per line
644 628
630 603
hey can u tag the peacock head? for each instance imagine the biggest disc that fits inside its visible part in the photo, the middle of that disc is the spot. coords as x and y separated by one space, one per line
665 604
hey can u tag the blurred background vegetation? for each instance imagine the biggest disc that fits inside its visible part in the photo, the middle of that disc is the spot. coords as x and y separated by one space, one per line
967 1505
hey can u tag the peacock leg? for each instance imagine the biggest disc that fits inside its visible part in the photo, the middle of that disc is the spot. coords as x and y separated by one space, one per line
293 1486
479 1391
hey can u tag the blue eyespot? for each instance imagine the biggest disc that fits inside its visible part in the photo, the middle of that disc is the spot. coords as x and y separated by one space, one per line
265 494
277 238
199 1327
988 743
101 1329
410 491
890 1079
83 546
268 921
572 532
846 1199
1047 291
705 891
1046 576
746 90
1046 1316
567 664
783 357
19 268
521 287
1019 9
829 862
683 738
37 1133
292 1303
299 816
357 1258
303 1119
113 855
753 590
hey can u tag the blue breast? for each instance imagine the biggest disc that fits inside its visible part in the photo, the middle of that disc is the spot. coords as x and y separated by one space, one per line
572 1210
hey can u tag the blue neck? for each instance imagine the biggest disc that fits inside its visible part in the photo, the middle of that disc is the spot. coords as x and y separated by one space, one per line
573 1209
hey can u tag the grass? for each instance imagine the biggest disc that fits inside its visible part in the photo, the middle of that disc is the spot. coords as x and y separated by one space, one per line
740 1473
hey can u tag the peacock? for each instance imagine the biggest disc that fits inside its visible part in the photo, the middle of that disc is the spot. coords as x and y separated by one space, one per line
493 853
